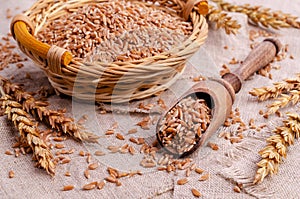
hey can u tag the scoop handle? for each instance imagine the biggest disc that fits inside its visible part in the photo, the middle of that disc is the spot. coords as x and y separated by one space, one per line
258 58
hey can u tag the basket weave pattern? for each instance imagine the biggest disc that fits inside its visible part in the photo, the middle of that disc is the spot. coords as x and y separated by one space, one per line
107 82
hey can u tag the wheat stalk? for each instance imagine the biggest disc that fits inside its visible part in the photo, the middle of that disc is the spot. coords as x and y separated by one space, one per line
222 20
292 98
285 92
29 132
259 15
276 149
277 89
56 119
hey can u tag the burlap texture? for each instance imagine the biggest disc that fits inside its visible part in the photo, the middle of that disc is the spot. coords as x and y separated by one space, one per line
230 165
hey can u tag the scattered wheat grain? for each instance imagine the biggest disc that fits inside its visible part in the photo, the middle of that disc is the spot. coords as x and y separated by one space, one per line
68 187
204 177
11 174
196 193
93 166
237 189
90 186
182 181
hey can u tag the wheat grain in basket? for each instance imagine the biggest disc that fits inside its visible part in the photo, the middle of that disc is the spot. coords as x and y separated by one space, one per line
111 51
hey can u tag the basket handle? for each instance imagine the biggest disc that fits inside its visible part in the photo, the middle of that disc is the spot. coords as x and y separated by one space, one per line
22 30
189 6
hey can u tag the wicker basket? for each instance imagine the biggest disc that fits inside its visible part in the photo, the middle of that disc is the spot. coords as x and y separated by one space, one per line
106 82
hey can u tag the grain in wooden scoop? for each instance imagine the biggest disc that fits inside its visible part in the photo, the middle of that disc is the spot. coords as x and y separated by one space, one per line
183 125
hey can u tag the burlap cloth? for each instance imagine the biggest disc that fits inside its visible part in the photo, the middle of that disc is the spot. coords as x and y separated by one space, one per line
231 164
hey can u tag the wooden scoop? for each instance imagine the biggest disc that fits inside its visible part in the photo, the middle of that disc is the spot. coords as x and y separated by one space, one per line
219 94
